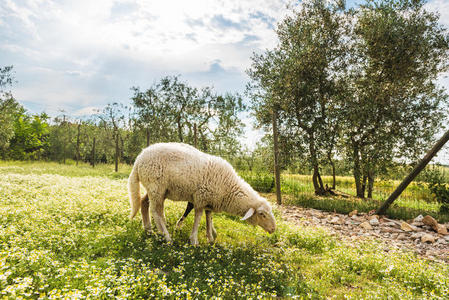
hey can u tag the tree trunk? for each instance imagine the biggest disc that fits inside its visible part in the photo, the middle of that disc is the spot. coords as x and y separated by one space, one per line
116 151
148 137
277 174
331 161
419 167
180 130
195 136
356 171
370 184
93 154
316 178
364 179
78 144
65 142
122 148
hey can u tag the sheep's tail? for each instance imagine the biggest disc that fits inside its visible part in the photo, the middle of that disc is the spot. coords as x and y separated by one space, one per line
134 191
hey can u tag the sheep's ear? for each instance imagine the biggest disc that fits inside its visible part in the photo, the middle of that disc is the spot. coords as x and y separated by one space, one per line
248 214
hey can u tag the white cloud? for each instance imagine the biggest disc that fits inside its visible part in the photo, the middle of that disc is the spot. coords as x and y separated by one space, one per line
442 8
87 111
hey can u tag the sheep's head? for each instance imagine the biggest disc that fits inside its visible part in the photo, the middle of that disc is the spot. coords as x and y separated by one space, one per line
262 216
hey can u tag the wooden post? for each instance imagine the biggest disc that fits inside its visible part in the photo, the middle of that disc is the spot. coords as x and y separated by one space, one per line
419 167
277 175
78 144
64 147
116 151
93 154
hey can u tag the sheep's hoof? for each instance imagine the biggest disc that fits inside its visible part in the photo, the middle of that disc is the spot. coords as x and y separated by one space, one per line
179 223
148 231
194 241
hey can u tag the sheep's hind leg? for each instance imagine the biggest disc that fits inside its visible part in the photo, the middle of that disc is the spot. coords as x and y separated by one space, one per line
157 209
196 224
186 213
146 218
210 230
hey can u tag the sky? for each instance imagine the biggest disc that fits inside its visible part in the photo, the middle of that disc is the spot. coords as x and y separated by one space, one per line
77 56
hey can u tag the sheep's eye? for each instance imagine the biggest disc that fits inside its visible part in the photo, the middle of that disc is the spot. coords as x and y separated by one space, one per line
262 214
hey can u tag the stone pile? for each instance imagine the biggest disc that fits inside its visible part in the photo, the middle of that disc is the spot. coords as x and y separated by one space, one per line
422 235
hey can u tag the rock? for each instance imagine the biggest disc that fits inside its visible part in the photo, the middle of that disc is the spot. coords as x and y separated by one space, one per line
352 223
430 221
366 226
407 227
441 229
401 237
389 229
417 224
335 220
418 218
417 235
389 224
353 213
373 217
374 222
428 238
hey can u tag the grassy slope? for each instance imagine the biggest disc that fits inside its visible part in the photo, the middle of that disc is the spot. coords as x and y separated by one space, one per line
64 231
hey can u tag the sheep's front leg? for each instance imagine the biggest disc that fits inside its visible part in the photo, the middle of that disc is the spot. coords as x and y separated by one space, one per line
196 224
210 230
146 218
157 209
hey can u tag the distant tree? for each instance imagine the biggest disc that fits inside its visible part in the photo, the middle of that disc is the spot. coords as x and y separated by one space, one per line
9 109
113 118
153 114
30 136
228 126
172 110
6 78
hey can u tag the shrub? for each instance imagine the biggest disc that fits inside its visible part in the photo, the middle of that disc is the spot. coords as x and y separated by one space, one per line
439 189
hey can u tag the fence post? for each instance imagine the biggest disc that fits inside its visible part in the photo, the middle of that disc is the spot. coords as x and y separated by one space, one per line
419 167
276 158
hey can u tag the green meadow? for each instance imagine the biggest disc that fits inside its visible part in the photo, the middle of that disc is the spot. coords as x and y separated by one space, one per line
65 233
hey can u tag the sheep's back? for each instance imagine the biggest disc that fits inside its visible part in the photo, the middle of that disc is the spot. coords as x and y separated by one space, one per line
176 168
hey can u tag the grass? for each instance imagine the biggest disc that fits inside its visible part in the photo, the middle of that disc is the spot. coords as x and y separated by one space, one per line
65 233
415 200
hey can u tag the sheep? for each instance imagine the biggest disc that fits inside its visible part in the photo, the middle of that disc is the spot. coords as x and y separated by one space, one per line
182 173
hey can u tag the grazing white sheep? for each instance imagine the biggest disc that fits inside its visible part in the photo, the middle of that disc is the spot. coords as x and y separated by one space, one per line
182 173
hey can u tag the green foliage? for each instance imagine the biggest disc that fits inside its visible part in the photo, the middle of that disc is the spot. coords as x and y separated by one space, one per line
65 233
9 109
30 136
359 84
261 182
439 189
299 79
174 111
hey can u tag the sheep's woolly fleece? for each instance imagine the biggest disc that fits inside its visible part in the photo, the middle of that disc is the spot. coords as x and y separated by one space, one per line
183 173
